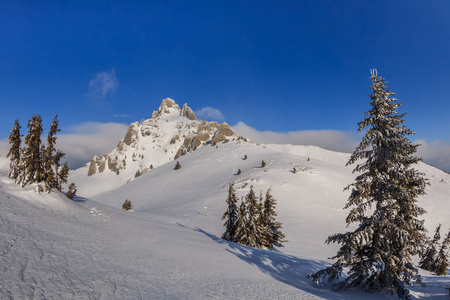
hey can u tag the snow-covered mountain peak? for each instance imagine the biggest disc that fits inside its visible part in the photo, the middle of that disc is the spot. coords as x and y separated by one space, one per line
170 133
167 106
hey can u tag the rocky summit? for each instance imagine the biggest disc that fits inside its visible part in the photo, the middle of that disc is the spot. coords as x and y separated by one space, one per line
170 133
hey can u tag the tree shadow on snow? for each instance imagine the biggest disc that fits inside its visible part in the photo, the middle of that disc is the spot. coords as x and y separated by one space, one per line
286 268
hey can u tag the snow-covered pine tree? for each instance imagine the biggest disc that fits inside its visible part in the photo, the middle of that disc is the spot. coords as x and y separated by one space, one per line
429 257
274 237
442 262
63 175
377 254
57 159
50 156
30 167
14 152
231 215
254 231
241 235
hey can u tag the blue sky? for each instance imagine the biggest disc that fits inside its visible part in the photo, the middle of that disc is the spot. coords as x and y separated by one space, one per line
279 66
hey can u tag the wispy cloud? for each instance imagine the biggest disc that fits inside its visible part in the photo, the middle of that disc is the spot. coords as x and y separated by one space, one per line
328 139
83 141
210 114
103 84
88 139
121 116
436 153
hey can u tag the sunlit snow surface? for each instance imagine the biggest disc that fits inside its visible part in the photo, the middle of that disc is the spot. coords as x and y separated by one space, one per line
169 247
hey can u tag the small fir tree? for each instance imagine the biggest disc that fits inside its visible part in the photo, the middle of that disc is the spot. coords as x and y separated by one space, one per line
14 152
428 258
231 215
377 254
239 172
127 205
63 175
72 191
442 263
50 155
263 164
177 165
245 157
274 237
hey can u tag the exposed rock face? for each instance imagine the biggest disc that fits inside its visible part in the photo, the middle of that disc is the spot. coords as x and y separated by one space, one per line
170 133
164 108
207 133
187 112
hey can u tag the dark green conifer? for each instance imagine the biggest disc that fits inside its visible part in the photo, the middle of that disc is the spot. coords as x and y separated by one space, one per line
442 263
50 156
273 236
378 253
63 174
31 169
241 235
15 150
428 258
177 165
127 205
231 215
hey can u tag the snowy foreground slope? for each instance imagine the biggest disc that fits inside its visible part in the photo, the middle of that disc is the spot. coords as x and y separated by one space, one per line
170 246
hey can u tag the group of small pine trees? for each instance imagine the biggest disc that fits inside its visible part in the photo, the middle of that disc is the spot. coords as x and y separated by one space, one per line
253 222
37 162
433 260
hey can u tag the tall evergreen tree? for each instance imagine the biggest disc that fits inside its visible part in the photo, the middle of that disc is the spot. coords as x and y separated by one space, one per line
49 154
230 215
428 258
57 159
272 229
378 252
31 165
14 152
241 235
254 230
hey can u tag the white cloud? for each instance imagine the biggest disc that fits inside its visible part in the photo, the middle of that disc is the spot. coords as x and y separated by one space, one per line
103 84
121 116
436 153
88 139
328 139
84 141
209 113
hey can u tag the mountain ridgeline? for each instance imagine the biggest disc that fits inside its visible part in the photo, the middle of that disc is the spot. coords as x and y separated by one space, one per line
170 133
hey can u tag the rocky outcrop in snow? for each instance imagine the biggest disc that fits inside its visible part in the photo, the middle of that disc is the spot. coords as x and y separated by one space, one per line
170 133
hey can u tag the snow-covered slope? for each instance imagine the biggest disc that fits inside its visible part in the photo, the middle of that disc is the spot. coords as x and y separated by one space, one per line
170 246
